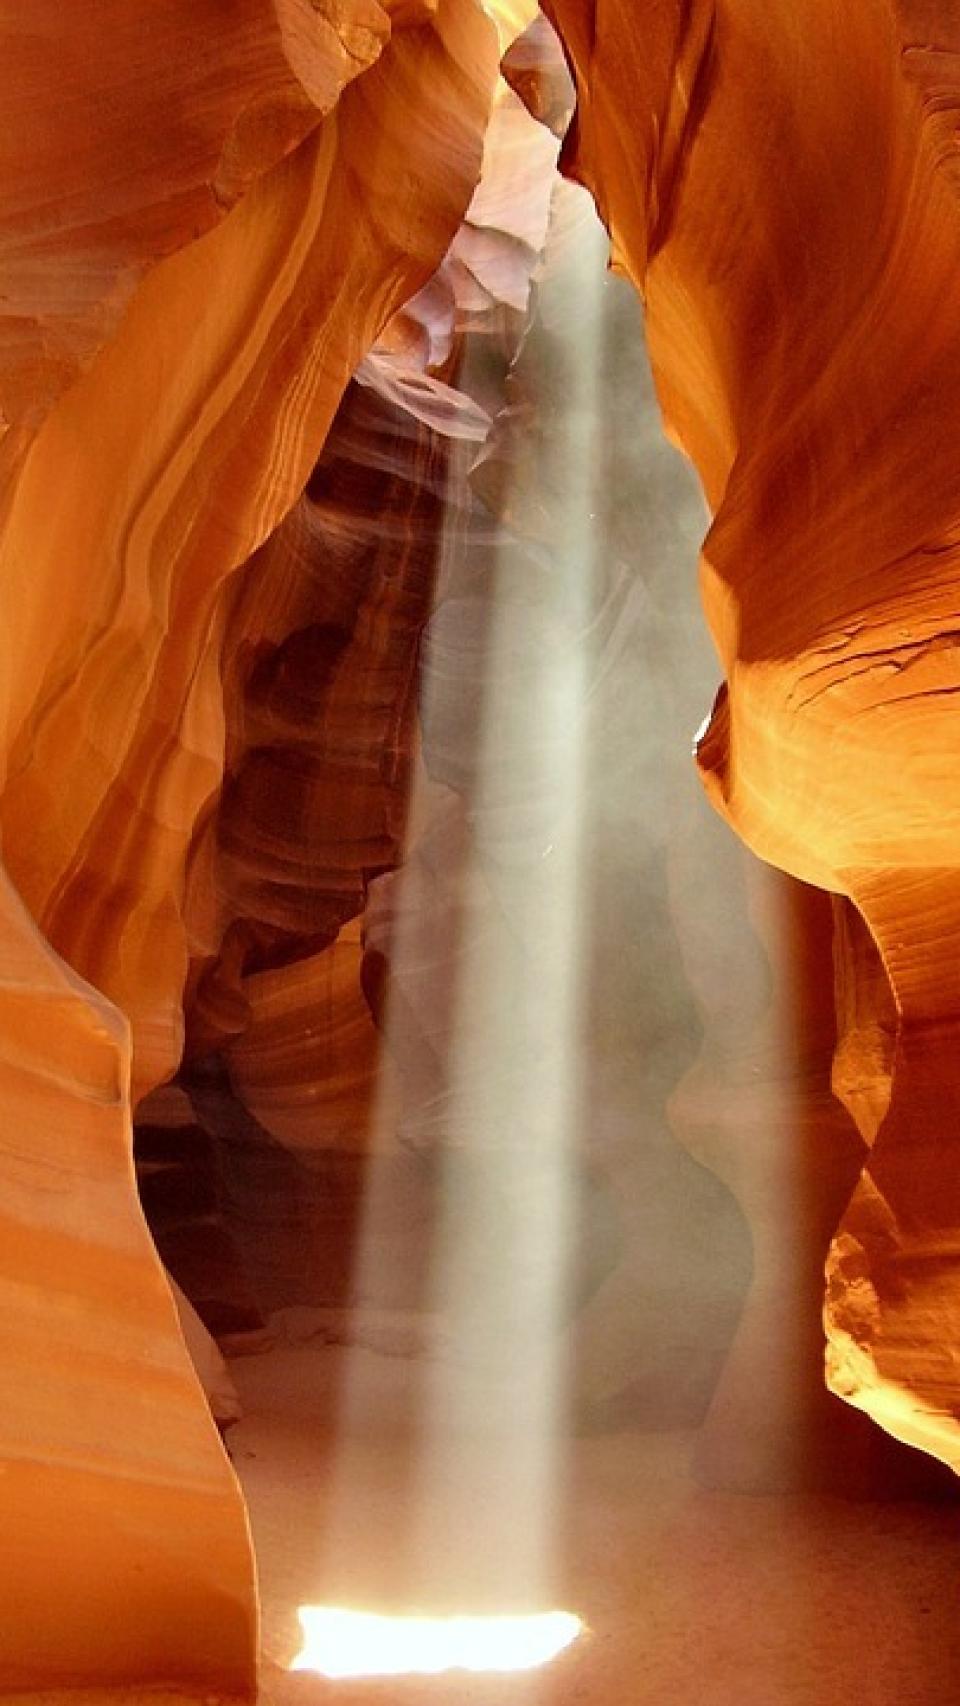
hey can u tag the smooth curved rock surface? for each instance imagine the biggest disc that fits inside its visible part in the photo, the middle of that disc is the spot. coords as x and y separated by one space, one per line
807 358
175 421
124 137
265 274
114 1485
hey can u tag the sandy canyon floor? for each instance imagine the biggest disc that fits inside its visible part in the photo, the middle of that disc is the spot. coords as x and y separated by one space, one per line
690 1597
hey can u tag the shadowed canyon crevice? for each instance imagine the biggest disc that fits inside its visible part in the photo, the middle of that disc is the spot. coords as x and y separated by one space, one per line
413 1091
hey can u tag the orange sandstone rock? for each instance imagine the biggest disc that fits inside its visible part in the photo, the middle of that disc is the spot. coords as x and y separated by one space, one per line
176 426
793 228
173 458
125 135
121 1517
321 675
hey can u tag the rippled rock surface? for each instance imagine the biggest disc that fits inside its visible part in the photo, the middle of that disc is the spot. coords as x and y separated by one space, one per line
795 234
288 544
207 218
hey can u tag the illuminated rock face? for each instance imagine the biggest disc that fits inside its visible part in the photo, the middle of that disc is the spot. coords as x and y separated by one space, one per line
795 235
127 137
190 275
239 268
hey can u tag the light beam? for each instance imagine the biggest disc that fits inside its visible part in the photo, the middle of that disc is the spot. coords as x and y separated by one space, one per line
341 1644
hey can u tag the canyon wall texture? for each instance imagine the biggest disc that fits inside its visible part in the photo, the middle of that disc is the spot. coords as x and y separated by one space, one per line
794 231
267 378
208 217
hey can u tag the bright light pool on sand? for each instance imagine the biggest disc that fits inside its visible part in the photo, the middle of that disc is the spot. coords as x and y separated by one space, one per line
355 1643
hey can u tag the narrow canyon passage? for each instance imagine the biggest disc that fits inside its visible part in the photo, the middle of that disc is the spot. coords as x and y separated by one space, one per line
479 916
448 1408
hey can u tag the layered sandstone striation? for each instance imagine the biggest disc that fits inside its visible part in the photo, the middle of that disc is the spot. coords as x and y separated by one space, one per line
279 179
270 433
125 138
794 232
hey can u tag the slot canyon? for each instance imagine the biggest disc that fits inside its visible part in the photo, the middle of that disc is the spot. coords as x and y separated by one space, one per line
480 832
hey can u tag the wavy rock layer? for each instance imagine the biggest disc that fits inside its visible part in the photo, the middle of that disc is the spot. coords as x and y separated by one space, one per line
157 471
283 1063
124 138
322 676
211 221
807 358
113 1487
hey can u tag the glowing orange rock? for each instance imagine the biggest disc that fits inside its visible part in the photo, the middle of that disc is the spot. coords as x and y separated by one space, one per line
321 679
125 137
161 503
162 460
795 233
306 1065
114 1488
